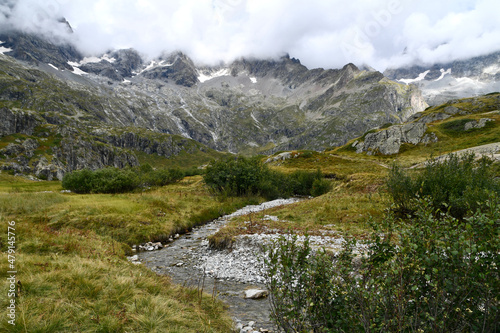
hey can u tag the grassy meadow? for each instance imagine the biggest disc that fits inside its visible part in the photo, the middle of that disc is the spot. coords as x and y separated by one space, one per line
71 248
70 258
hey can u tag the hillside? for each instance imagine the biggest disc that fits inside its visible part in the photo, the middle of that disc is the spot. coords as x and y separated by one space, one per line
62 232
247 106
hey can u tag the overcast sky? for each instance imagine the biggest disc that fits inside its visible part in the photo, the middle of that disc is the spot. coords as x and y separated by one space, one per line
321 33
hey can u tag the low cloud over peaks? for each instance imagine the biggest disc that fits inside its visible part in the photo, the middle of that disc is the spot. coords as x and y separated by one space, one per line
33 16
321 33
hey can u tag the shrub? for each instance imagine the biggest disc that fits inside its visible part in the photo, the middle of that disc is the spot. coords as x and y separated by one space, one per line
161 177
78 181
235 176
114 180
249 176
457 184
320 186
435 274
301 182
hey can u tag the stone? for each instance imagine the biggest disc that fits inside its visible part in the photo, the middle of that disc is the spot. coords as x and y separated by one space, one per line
451 110
158 245
388 141
17 121
29 146
477 124
433 117
256 293
280 157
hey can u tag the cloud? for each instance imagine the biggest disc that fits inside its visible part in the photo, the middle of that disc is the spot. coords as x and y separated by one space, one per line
321 33
34 16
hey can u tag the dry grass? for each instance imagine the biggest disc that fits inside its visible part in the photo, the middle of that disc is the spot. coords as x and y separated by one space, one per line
70 259
71 293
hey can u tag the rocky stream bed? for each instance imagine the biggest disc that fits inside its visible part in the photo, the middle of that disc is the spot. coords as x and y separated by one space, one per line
232 275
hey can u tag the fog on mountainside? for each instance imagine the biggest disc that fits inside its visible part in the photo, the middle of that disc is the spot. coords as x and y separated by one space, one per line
326 34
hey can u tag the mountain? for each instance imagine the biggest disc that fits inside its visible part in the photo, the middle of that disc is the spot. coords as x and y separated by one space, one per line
444 81
117 99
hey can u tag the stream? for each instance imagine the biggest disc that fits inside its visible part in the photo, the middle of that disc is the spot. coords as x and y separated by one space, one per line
227 274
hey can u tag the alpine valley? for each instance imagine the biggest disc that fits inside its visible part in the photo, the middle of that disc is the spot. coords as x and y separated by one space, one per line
138 247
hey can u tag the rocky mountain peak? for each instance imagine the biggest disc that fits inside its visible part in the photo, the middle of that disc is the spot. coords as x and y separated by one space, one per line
65 22
36 49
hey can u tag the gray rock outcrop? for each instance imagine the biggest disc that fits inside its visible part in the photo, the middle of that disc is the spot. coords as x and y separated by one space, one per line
18 121
476 124
389 141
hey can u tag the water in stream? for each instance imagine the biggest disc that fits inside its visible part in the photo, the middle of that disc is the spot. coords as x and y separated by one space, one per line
186 260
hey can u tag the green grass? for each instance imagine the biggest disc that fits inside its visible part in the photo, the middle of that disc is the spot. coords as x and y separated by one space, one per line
70 257
94 291
16 184
450 133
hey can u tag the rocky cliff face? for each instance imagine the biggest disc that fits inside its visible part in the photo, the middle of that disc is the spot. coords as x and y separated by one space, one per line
32 145
247 106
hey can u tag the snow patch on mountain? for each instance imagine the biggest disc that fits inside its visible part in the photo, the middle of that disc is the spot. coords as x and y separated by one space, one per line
154 64
76 68
420 77
205 76
78 71
88 60
4 49
443 73
54 67
253 79
492 70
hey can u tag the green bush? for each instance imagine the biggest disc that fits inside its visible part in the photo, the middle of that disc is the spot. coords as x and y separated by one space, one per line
457 184
78 181
301 182
320 187
161 177
234 176
114 180
434 273
242 176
